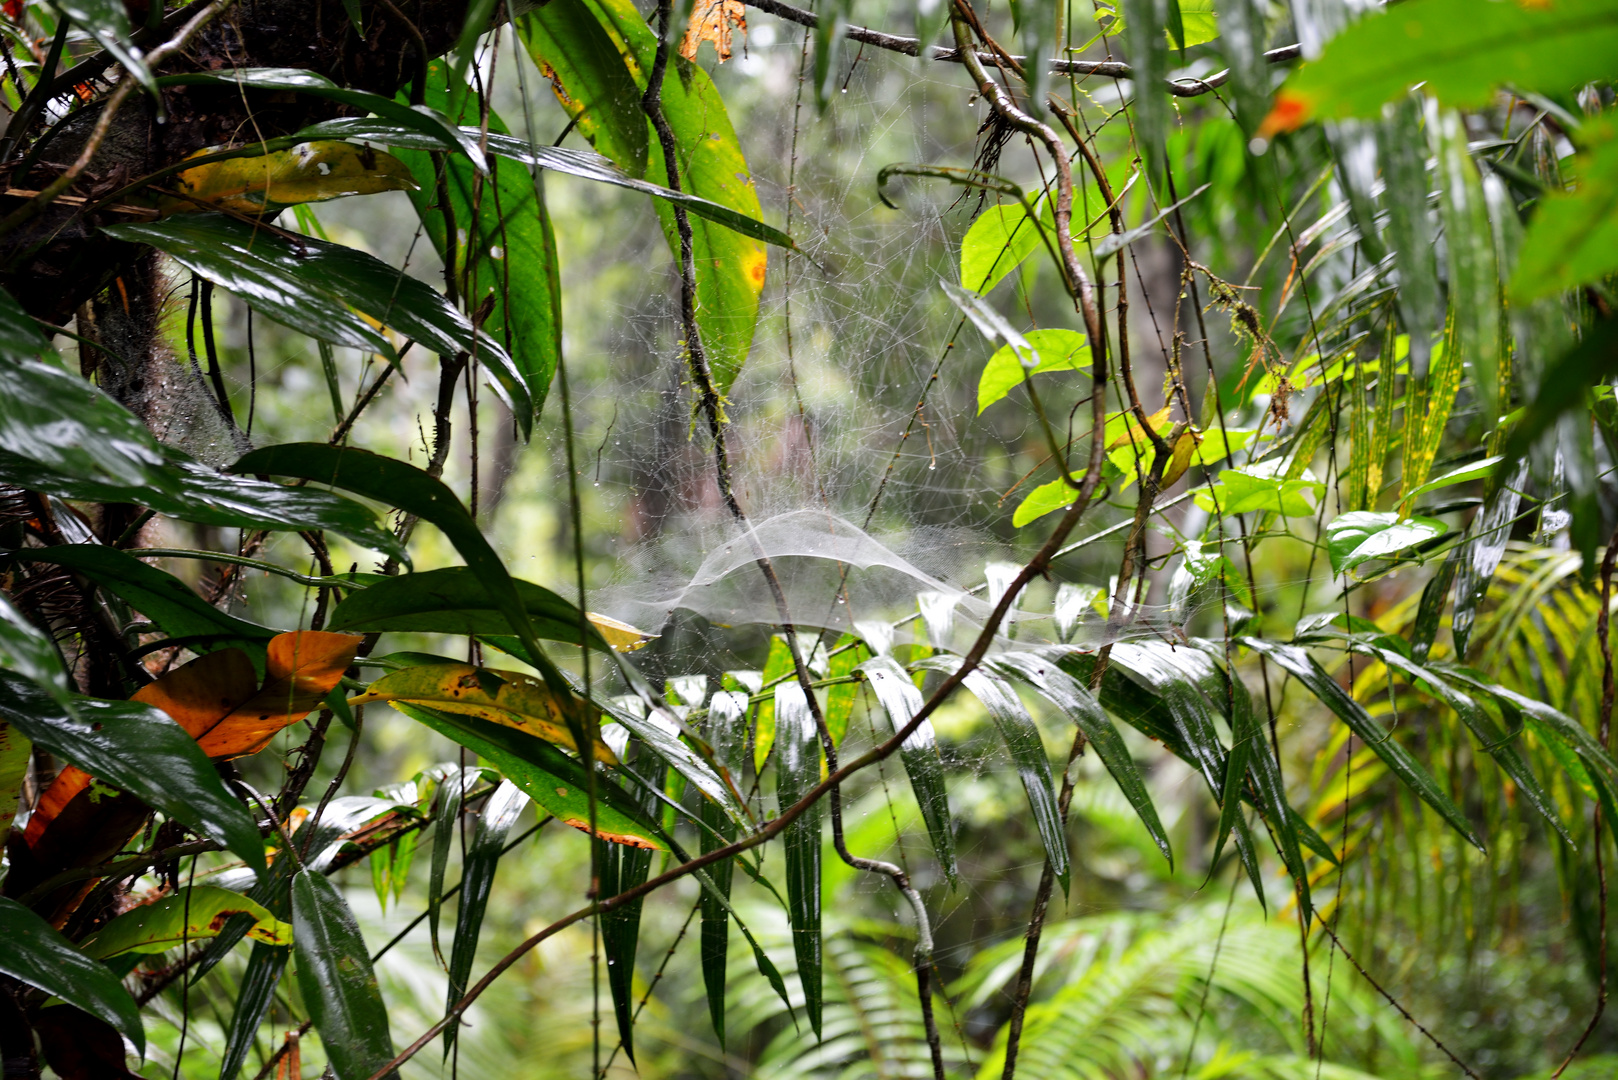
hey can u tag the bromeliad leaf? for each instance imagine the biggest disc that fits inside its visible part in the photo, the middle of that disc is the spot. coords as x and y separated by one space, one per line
1362 535
61 435
138 750
193 914
40 956
310 285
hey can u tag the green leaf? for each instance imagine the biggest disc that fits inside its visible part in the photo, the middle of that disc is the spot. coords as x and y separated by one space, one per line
777 665
507 242
1475 471
138 750
1431 610
421 119
1474 279
192 914
1027 752
477 879
447 799
730 267
1459 49
1506 749
334 973
30 652
1263 488
797 772
454 600
61 435
415 492
659 735
623 869
727 734
1402 148
901 700
265 965
553 779
108 22
1077 704
841 697
1045 499
310 285
996 244
1301 666
1573 237
1056 350
167 601
573 50
1361 536
20 336
39 956
1483 549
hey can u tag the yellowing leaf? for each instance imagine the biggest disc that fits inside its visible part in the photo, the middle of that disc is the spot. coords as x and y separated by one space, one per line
711 20
190 915
501 697
309 172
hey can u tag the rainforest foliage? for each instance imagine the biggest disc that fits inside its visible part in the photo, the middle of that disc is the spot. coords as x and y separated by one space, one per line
1065 539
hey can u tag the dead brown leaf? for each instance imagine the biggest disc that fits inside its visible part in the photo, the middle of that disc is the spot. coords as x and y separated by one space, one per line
711 20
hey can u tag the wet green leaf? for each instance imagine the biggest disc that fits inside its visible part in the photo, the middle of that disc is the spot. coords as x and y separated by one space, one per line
421 119
727 733
1402 147
415 492
61 435
505 248
797 772
40 956
730 267
1573 238
1077 704
20 336
659 736
1361 536
29 651
1027 752
1474 279
447 800
477 879
901 700
167 601
334 972
1301 666
265 965
551 778
140 751
454 600
108 22
310 285
587 71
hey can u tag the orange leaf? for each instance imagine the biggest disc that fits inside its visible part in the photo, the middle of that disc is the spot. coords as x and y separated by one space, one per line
1288 114
214 697
711 21
303 668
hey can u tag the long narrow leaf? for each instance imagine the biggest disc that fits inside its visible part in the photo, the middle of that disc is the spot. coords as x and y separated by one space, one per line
919 752
797 771
477 878
334 972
